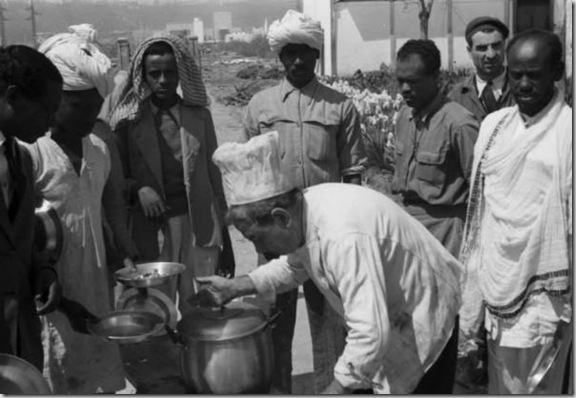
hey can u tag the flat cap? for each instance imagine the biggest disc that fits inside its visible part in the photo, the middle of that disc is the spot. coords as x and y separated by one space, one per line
483 22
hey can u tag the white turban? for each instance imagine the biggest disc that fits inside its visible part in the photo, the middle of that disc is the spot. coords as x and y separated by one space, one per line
82 65
295 28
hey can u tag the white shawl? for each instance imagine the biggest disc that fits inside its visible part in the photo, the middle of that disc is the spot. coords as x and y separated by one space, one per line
516 244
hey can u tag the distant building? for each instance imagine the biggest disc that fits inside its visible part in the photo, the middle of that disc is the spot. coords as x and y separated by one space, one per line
209 35
198 29
222 24
194 29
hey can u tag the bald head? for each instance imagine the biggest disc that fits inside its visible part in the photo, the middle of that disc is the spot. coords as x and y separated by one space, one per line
535 64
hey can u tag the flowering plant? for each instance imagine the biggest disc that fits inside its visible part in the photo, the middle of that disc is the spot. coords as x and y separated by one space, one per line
378 112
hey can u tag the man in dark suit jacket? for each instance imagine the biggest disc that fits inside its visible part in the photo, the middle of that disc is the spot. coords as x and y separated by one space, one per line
487 89
30 91
166 141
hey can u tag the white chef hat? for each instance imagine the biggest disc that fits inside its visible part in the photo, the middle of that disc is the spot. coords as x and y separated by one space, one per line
295 28
252 171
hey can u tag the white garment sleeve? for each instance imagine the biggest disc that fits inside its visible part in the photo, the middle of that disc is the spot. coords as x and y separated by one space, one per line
278 276
354 267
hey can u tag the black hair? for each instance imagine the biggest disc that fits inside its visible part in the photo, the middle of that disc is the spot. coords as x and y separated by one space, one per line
426 49
485 29
260 212
550 39
27 69
158 48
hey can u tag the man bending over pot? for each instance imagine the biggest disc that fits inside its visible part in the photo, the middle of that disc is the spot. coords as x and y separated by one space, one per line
394 285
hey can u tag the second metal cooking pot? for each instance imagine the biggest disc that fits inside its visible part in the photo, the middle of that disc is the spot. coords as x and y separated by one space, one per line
226 351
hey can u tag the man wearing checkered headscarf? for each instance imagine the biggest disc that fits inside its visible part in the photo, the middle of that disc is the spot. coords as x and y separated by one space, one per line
166 141
133 91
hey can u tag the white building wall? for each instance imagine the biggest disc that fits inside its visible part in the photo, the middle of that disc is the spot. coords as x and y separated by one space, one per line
361 30
362 38
322 11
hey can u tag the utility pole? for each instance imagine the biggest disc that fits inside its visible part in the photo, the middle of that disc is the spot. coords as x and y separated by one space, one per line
32 18
450 36
2 28
392 37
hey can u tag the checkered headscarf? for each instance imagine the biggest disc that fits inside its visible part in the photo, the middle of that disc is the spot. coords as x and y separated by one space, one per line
132 92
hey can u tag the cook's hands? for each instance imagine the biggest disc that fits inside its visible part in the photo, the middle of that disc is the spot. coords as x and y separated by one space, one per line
49 291
336 388
152 204
215 291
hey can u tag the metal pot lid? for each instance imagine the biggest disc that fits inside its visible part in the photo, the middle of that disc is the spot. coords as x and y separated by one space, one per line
236 319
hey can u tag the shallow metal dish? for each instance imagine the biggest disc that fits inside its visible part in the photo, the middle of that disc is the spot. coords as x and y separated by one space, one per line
19 377
125 327
149 274
149 300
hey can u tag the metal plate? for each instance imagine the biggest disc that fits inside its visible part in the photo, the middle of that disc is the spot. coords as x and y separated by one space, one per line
19 377
144 274
149 300
126 326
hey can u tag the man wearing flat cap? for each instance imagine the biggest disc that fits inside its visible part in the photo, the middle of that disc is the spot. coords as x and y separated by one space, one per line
395 288
319 131
487 89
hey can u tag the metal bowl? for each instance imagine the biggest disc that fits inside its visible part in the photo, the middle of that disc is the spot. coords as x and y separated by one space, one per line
149 274
125 327
19 377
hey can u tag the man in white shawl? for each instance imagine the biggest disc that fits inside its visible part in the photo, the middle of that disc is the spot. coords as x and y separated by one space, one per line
320 135
518 237
71 170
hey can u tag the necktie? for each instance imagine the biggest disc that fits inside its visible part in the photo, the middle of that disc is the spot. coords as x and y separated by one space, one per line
4 176
490 103
170 130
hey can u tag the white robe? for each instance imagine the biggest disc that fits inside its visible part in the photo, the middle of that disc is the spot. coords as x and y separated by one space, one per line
77 363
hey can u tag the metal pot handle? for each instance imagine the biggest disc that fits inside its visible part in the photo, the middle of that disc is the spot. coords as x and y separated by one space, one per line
175 336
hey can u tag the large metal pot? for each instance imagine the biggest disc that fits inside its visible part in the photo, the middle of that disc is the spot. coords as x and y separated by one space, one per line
225 351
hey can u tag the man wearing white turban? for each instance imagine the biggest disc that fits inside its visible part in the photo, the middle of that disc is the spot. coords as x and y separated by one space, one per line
71 172
319 131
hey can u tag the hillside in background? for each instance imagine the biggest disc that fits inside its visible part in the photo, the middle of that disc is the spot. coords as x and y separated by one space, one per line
108 17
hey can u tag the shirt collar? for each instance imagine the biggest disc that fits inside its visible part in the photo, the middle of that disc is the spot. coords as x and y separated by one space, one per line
308 90
497 83
425 114
173 110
